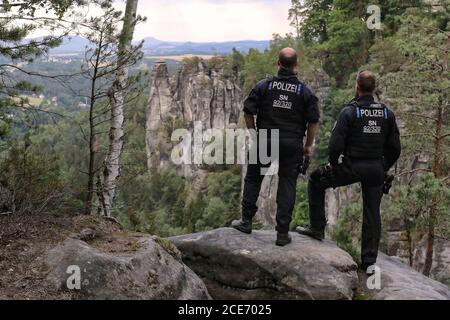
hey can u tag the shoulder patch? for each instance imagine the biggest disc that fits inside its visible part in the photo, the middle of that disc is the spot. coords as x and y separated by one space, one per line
386 110
261 83
299 88
356 107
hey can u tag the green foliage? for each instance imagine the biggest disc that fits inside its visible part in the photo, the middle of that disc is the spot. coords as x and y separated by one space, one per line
59 7
392 11
164 203
258 66
30 181
191 63
414 205
310 18
347 232
67 140
300 215
18 22
222 198
347 47
337 30
234 65
417 77
333 105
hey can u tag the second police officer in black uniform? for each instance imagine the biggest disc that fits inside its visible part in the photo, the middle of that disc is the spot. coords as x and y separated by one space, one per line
366 134
286 104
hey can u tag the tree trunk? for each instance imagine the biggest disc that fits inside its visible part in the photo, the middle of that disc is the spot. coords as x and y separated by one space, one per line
410 247
92 135
92 142
437 167
430 243
437 173
116 99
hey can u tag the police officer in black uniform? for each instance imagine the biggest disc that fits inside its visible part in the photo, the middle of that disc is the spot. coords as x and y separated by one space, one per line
288 105
366 134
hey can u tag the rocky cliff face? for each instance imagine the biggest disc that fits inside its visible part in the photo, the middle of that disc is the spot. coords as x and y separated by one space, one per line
199 92
441 259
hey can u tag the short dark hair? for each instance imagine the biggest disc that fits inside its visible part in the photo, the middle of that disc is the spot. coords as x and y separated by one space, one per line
288 61
366 81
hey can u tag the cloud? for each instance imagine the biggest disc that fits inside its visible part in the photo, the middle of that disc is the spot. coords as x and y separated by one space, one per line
206 20
213 20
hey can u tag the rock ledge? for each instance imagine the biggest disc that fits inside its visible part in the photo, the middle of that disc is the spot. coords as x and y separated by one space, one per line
238 266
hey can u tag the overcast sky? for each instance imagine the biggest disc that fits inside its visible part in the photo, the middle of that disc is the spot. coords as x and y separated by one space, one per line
213 20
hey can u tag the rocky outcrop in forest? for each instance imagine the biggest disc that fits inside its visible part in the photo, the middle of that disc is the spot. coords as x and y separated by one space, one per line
140 270
238 266
401 282
48 255
199 92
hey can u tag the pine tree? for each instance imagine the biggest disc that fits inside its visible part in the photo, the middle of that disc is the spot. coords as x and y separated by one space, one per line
413 65
19 20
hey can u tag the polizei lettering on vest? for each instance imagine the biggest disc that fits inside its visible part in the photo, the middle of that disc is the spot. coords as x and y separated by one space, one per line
375 113
284 86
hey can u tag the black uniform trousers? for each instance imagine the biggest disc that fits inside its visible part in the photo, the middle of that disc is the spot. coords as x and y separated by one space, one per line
370 173
290 158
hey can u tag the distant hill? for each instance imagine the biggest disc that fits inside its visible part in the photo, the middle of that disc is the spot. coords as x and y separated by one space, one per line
75 44
155 47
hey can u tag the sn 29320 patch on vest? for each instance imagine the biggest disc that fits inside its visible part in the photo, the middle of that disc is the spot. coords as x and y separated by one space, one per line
286 89
283 102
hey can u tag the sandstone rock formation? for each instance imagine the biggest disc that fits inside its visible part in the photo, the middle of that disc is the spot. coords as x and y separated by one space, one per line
237 266
441 259
199 92
400 282
149 272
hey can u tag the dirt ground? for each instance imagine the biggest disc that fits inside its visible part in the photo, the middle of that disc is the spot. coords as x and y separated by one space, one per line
24 240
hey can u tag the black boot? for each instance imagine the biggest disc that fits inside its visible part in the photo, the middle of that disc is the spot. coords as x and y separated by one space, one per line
311 232
244 226
283 239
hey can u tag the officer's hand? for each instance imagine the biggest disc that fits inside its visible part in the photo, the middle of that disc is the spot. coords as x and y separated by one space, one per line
308 151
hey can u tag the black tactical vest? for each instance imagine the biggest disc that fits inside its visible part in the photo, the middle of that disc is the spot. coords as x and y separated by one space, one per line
368 131
281 106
